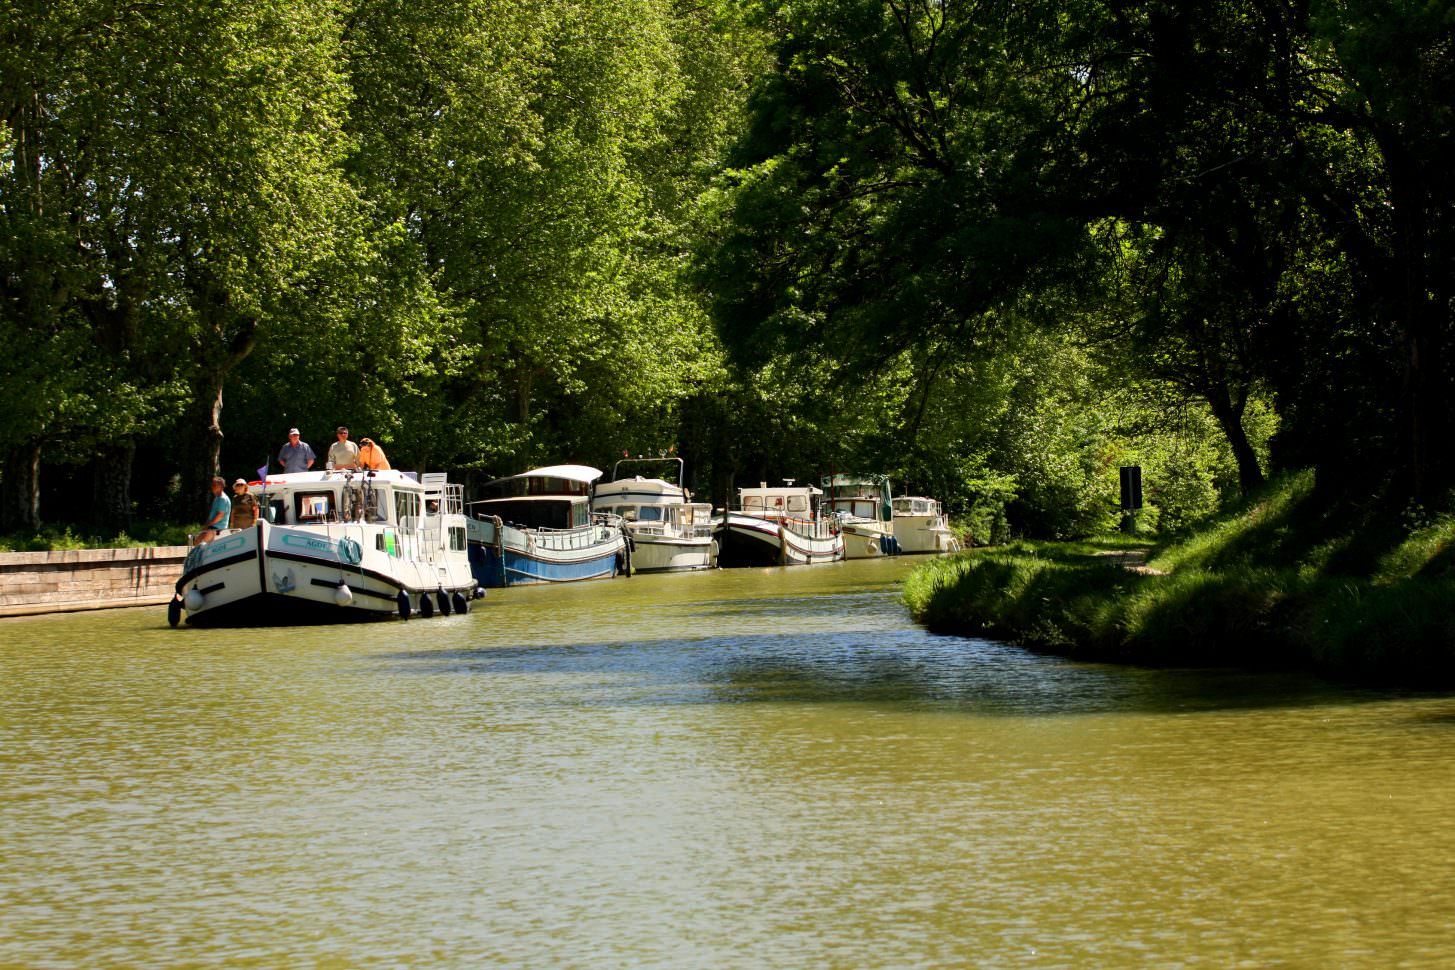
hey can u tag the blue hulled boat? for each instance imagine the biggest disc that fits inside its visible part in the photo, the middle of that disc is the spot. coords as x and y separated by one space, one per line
537 527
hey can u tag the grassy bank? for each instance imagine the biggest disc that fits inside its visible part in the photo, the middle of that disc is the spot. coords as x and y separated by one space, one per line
1288 580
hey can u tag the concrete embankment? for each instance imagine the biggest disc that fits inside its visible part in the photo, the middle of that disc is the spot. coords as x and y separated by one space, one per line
87 579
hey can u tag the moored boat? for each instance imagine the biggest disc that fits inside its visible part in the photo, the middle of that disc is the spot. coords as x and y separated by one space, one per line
333 546
920 526
781 526
861 505
537 527
667 530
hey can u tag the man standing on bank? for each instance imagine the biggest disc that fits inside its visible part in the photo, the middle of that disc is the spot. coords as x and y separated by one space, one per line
343 453
295 456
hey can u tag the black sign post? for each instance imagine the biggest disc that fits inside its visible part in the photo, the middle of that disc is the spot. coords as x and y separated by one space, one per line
1131 487
1131 496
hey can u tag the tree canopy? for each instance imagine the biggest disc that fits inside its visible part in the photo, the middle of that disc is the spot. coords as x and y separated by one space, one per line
993 249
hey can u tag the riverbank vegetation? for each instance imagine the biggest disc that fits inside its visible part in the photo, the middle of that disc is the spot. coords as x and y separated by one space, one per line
53 538
1289 579
993 250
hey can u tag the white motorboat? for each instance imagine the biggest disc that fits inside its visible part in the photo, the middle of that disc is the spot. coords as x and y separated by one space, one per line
861 504
781 526
537 527
920 527
667 530
332 546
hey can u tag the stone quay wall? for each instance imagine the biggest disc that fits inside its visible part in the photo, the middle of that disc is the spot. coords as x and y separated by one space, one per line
87 579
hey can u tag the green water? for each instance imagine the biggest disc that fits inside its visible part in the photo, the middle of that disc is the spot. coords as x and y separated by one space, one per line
756 768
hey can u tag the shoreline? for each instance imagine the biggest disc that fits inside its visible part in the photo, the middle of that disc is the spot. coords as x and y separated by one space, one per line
1289 582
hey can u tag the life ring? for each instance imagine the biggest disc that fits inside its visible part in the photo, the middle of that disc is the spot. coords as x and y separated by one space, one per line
350 552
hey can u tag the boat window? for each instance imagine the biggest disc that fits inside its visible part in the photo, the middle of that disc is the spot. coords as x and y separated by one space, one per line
386 541
457 539
314 506
530 514
649 514
752 501
406 508
581 514
798 503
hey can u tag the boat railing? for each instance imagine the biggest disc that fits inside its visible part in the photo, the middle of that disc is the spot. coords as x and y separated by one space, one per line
811 528
448 499
192 537
574 537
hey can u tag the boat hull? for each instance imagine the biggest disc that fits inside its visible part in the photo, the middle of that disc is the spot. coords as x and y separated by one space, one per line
869 540
657 554
746 541
808 550
502 555
924 535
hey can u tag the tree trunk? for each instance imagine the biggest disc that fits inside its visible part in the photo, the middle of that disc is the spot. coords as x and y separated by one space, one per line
202 444
111 492
20 489
1425 397
1230 419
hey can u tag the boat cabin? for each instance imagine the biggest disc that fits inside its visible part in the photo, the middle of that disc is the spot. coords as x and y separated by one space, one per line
557 497
651 505
373 497
859 498
786 501
914 505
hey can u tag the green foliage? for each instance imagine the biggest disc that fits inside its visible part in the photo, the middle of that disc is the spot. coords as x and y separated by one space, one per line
56 538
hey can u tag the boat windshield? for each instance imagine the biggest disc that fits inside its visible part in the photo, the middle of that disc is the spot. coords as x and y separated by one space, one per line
535 513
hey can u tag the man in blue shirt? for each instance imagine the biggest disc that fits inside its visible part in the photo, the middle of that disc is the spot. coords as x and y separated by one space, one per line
295 456
220 512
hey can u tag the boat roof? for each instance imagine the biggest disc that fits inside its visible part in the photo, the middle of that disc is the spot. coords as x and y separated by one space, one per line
584 474
340 476
782 490
639 486
839 481
529 498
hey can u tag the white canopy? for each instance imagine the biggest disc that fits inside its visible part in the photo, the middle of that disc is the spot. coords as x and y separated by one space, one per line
584 474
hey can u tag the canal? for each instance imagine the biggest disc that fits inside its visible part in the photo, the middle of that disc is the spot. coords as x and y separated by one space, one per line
752 768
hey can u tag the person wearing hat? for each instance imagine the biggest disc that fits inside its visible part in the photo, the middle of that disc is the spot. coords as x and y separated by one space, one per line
372 456
244 506
343 453
296 456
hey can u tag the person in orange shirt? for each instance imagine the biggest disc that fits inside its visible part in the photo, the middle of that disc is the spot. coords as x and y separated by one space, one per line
372 456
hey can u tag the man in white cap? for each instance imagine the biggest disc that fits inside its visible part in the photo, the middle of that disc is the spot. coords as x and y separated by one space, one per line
295 456
244 506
